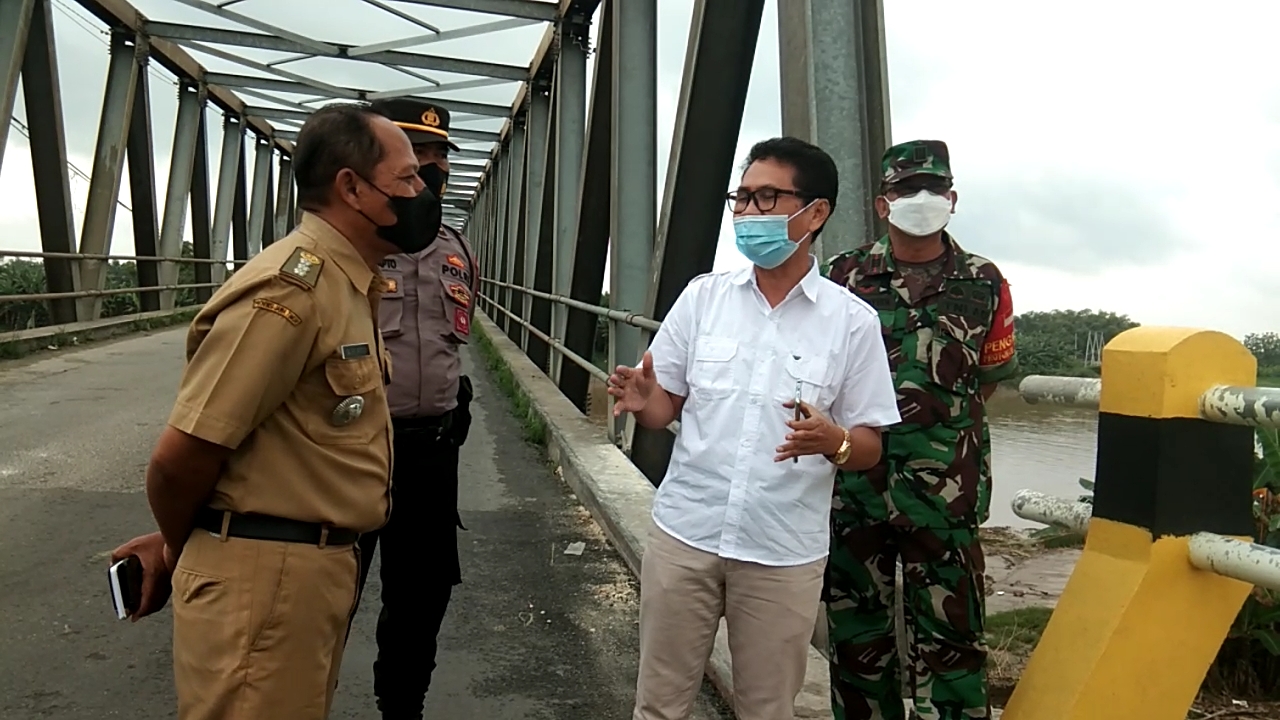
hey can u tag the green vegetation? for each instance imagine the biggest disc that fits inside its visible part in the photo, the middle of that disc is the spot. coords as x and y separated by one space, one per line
531 424
1266 347
26 277
1061 342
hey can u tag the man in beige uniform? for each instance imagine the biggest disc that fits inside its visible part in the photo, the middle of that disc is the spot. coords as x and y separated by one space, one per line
278 450
426 317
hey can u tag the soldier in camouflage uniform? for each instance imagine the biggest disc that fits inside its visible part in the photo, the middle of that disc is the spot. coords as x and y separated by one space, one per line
947 322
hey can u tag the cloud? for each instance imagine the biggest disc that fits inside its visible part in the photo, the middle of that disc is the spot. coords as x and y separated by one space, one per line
1100 162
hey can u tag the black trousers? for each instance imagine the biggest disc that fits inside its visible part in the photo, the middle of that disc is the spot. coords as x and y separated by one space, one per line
420 567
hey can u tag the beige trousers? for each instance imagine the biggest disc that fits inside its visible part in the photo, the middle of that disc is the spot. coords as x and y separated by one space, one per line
770 612
259 627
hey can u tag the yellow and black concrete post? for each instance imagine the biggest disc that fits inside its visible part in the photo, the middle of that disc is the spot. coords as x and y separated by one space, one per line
1138 626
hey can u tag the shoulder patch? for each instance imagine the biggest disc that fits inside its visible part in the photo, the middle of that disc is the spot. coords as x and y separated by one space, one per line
302 268
275 307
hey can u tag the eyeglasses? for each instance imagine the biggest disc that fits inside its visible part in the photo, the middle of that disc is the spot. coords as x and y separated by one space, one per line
765 199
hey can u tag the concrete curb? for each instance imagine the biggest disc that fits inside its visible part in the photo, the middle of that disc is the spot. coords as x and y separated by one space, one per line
87 326
619 497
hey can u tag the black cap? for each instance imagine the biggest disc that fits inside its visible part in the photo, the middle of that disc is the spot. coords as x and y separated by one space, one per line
422 120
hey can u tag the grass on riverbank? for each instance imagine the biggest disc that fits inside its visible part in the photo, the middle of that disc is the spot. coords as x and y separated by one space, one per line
532 426
18 349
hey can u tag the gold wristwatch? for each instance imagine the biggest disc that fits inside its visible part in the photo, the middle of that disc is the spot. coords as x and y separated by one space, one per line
846 449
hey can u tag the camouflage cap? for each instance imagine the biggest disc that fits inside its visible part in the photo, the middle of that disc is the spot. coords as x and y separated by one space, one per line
915 157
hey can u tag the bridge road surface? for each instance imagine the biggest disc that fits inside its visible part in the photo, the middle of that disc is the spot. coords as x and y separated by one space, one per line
531 634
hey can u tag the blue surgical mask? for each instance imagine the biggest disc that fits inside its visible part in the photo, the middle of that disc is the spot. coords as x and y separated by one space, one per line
764 240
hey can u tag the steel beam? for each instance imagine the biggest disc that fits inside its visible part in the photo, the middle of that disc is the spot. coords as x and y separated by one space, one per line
571 104
279 85
258 195
108 166
505 265
15 24
191 102
229 166
284 193
542 255
269 205
119 13
240 215
184 34
49 161
142 191
537 136
508 8
201 232
594 205
846 100
717 72
634 186
447 35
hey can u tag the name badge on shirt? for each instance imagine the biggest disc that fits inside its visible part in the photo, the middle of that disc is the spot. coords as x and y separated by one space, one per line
351 352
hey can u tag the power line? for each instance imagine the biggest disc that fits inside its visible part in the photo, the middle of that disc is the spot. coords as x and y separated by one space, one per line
21 127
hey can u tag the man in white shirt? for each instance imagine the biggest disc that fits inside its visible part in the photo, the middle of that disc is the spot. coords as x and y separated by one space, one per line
741 519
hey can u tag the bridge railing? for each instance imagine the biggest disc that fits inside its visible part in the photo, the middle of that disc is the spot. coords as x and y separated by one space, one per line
613 317
1251 406
139 289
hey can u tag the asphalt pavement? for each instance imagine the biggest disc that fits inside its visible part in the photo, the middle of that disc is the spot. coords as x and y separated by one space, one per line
532 633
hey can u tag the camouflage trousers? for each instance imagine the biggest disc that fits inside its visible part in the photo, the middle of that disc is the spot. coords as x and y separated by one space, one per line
944 601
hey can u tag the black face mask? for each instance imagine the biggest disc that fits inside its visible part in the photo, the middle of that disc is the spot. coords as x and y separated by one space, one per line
435 177
417 223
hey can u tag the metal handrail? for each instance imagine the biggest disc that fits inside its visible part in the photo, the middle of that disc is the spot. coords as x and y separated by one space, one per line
559 347
1230 405
35 297
633 319
1226 556
38 297
32 254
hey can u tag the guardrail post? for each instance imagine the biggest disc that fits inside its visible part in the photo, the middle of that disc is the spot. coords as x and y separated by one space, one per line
1138 626
258 212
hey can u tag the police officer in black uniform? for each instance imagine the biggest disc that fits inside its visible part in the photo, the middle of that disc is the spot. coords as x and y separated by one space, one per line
425 317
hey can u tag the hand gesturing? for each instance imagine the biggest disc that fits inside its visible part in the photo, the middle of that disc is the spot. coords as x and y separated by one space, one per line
631 387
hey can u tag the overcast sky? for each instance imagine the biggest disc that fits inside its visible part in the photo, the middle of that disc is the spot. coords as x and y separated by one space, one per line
1106 155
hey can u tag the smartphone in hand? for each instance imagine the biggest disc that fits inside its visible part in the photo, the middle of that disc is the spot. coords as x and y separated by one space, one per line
126 586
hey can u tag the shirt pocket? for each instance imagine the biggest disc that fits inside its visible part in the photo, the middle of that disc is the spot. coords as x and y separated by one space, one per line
711 374
812 376
456 297
391 307
348 407
953 355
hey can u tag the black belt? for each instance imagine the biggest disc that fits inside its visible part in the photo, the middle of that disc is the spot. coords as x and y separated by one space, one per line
277 529
431 424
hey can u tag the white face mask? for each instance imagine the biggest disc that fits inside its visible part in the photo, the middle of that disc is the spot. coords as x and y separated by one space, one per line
921 214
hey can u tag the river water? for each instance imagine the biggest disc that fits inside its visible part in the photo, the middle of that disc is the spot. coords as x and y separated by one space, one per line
1046 448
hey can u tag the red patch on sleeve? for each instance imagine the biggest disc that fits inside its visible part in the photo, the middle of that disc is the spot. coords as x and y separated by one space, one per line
461 321
999 345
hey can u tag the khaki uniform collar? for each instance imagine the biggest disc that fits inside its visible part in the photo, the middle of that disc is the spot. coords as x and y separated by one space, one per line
338 247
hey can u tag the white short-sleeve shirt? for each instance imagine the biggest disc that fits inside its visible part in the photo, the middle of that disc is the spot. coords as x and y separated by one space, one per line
737 361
